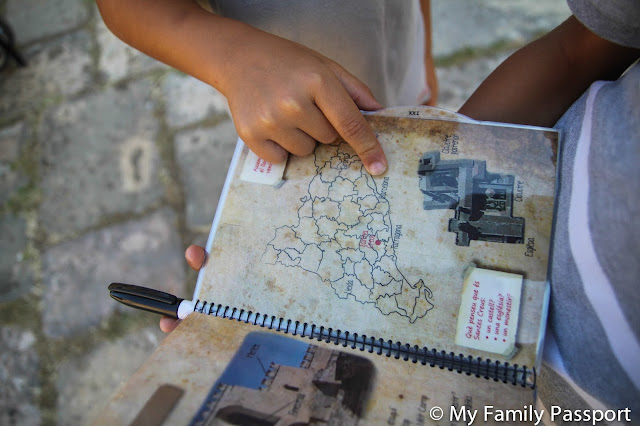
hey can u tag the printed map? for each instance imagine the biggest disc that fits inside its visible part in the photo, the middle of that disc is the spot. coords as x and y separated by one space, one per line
344 235
332 247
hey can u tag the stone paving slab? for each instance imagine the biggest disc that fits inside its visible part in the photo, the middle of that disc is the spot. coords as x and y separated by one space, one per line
76 273
19 375
203 156
189 100
13 140
461 24
17 275
57 68
99 373
99 158
35 19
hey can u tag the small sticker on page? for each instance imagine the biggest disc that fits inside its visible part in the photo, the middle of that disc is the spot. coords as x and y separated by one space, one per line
488 316
257 170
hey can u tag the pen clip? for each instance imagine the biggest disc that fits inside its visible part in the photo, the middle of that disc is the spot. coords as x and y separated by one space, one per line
146 299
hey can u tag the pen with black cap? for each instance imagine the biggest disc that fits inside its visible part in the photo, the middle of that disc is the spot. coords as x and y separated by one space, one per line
151 300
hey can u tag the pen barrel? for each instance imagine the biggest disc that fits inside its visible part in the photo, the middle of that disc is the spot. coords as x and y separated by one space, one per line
148 305
146 299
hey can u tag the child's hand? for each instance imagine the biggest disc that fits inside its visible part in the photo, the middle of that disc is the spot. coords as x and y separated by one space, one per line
284 97
195 256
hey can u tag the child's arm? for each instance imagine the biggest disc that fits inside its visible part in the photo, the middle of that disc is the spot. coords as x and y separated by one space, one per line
538 83
282 95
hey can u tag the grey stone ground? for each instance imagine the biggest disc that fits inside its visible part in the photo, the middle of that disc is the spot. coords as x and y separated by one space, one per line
111 164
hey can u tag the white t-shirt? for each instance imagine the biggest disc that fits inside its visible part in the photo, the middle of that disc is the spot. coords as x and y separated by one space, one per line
380 42
594 320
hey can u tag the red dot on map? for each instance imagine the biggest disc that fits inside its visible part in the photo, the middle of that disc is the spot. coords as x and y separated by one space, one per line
503 340
495 338
377 242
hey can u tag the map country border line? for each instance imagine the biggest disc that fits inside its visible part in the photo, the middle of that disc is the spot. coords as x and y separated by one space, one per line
397 294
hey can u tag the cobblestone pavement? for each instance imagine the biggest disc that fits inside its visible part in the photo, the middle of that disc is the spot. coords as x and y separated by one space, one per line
111 165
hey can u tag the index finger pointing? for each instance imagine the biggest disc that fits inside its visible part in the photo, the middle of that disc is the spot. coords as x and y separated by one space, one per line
343 114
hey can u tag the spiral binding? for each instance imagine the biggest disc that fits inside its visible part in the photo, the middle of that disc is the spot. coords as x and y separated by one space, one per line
505 372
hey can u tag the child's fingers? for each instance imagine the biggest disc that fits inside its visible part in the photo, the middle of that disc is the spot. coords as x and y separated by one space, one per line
343 114
195 256
296 142
357 90
316 125
167 325
275 148
267 150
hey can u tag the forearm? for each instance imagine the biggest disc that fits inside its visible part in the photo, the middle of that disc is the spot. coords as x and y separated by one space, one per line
538 83
178 33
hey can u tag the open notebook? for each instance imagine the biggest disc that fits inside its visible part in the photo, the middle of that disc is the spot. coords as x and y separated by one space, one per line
440 262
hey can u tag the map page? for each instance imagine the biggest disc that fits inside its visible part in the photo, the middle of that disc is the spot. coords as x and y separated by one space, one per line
387 256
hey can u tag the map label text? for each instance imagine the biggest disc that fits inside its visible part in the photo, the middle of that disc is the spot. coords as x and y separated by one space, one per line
396 236
385 185
450 144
